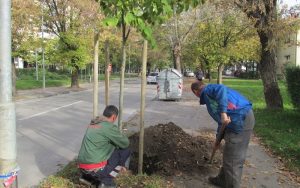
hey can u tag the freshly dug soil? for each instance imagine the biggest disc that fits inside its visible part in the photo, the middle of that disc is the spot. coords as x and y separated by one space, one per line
168 151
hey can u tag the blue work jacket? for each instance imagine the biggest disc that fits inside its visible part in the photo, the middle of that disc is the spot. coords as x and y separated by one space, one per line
219 98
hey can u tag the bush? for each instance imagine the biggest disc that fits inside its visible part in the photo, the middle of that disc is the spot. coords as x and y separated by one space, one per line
293 84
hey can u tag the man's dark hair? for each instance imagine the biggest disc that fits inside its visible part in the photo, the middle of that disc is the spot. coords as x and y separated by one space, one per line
196 85
110 110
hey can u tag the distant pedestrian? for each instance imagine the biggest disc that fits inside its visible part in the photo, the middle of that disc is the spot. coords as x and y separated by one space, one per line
104 149
229 108
199 75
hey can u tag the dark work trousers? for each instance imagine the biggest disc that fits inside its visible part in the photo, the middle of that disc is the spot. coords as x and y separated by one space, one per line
234 153
118 158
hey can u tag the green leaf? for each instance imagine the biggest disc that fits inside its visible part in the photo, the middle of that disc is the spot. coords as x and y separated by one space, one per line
110 21
129 17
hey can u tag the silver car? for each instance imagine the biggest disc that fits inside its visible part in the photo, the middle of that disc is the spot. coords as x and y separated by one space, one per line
152 78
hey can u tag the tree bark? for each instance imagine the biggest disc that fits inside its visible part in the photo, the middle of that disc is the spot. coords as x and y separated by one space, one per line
177 56
267 70
265 19
74 77
142 108
96 76
220 70
107 72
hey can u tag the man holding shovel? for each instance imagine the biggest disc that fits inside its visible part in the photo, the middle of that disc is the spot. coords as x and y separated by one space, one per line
234 115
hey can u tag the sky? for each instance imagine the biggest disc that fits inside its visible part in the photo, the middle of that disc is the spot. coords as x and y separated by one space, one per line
291 2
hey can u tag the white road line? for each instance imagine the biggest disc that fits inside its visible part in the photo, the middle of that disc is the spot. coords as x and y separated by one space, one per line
54 109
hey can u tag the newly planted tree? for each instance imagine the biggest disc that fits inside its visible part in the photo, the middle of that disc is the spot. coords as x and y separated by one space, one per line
127 15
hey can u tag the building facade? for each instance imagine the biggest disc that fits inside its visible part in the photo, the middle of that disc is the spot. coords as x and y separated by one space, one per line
288 52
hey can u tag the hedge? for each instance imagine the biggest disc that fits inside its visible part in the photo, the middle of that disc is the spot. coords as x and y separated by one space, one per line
293 84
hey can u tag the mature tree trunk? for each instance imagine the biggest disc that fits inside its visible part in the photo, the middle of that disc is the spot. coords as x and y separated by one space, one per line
220 70
209 74
74 77
177 56
268 73
265 15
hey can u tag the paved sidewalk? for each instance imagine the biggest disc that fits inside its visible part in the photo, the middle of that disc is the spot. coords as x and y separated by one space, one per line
49 91
260 170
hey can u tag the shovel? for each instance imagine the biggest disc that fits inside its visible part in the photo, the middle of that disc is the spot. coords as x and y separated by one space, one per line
219 139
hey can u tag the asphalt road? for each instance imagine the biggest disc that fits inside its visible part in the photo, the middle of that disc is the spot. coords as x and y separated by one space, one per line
50 130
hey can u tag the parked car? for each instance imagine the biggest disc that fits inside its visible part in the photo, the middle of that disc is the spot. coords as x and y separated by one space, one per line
228 72
189 74
152 78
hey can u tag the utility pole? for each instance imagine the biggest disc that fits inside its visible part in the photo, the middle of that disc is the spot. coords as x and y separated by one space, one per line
8 149
142 115
43 50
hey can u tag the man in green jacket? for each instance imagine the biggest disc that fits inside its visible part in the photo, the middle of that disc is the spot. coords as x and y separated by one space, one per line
104 149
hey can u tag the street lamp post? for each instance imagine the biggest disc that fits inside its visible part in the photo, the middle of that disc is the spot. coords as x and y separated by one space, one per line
8 149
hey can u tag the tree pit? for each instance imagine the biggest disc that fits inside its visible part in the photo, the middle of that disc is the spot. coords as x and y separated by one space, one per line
168 151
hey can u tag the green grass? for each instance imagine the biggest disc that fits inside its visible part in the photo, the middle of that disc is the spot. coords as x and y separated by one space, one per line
278 129
33 84
54 80
68 177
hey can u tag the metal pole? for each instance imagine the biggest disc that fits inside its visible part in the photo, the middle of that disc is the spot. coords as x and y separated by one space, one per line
142 115
7 106
36 67
43 50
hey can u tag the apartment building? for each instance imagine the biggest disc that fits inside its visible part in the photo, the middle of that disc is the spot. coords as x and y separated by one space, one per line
288 52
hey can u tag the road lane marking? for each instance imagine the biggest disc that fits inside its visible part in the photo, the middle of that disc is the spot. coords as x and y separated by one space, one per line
45 112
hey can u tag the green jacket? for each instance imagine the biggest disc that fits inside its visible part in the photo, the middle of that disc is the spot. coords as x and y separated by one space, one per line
99 142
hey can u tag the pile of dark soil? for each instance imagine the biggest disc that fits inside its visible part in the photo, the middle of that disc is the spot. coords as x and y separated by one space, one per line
168 151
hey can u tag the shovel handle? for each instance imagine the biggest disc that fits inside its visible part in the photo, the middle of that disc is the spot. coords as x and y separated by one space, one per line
219 138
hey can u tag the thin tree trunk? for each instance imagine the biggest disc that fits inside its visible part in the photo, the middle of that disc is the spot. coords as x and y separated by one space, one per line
96 82
122 77
268 74
177 56
220 70
208 76
107 72
142 115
